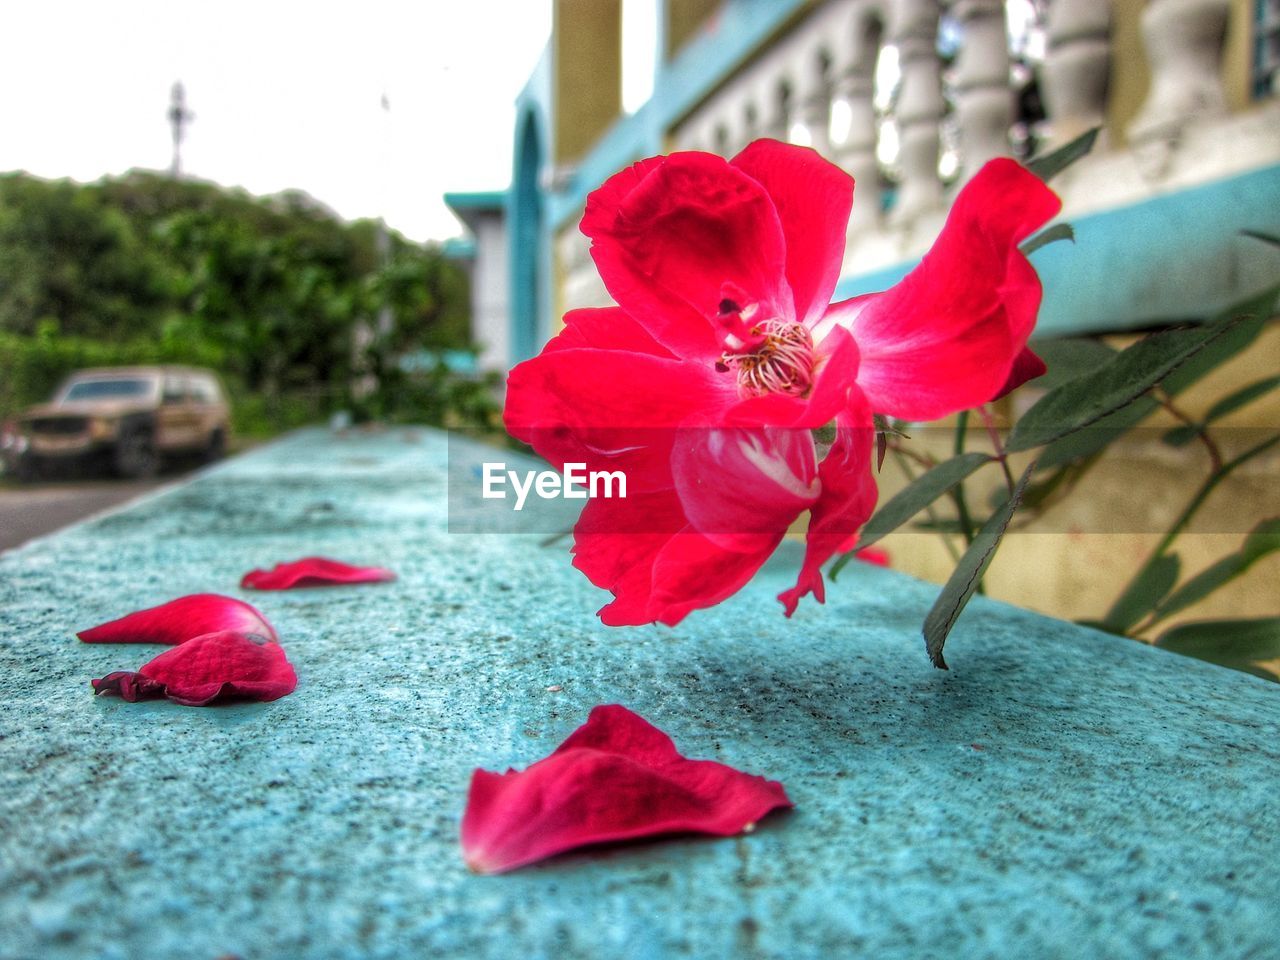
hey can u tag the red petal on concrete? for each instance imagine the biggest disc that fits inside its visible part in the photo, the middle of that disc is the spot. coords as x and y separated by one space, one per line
204 670
313 572
616 778
179 620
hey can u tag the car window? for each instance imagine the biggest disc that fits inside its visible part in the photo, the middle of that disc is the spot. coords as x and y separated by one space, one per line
174 390
106 390
204 390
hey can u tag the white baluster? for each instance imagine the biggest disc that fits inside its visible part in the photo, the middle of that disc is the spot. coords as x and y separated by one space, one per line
1184 43
813 96
854 112
920 108
984 102
1077 67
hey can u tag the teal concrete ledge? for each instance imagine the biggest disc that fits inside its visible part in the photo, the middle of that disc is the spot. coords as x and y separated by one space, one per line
1057 793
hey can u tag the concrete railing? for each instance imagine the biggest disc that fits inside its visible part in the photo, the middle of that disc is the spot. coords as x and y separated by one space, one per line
863 82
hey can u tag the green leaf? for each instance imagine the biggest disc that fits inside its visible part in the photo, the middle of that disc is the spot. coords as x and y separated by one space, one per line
964 580
1051 164
1242 397
1262 540
1071 357
1231 643
1059 231
913 498
1143 593
1089 398
1180 436
1270 238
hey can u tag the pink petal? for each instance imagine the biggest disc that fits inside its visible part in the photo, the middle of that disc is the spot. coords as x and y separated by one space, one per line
217 666
615 778
1026 366
179 620
876 558
813 198
611 409
670 243
947 336
605 328
659 569
847 501
739 482
313 572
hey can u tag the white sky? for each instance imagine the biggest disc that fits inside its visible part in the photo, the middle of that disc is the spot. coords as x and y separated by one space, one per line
286 95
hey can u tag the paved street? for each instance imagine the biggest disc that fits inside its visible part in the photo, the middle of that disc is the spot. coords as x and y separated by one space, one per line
27 512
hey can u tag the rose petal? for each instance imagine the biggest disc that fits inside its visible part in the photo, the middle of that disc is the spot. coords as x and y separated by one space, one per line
813 198
643 550
615 778
179 620
217 666
313 572
947 336
1026 366
847 501
670 242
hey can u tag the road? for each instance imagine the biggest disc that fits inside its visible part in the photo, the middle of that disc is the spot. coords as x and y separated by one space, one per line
29 511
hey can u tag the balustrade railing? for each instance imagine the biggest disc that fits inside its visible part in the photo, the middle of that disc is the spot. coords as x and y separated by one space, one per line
825 84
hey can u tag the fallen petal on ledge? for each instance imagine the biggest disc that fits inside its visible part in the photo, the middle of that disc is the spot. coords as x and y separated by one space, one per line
208 669
313 572
179 620
615 778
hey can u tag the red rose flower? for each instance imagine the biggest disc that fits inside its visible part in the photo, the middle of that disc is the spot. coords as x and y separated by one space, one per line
704 384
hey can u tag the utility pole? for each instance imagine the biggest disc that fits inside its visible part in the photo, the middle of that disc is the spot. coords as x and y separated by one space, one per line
179 118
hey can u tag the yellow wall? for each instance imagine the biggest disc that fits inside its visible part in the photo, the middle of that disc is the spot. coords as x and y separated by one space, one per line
587 75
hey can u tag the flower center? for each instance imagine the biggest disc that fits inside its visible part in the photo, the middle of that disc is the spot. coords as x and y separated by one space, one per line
780 361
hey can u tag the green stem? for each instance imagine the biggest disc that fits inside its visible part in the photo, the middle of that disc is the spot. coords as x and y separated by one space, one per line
957 493
996 446
1197 501
901 460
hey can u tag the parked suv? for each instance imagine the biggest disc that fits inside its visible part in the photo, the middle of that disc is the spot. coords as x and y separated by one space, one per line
132 415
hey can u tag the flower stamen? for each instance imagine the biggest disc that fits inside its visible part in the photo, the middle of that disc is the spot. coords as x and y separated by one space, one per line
782 362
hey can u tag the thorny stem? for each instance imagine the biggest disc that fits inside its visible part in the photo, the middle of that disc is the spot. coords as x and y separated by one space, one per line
1202 434
997 446
1219 474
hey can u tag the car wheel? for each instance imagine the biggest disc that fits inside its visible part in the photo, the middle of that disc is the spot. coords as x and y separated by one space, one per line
217 447
135 454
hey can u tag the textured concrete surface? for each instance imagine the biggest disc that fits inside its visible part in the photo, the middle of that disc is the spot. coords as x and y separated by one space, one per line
1058 793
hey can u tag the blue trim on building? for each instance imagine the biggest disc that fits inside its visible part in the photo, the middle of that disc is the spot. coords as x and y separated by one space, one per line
1133 266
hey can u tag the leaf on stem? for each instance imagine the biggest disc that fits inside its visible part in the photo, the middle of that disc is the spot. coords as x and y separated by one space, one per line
1059 231
968 573
913 498
1238 644
1051 164
1262 540
1146 590
1089 398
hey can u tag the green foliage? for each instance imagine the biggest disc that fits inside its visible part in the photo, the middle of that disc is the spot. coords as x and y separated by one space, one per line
290 304
1239 644
913 498
1051 164
967 576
